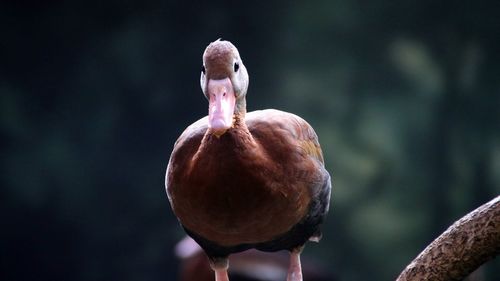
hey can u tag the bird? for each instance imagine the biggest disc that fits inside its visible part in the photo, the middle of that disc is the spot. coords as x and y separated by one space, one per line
239 180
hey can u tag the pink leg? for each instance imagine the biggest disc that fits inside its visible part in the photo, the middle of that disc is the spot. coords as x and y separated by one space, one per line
220 266
295 269
221 274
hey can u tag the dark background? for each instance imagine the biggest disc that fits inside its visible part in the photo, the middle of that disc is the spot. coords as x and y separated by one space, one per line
403 94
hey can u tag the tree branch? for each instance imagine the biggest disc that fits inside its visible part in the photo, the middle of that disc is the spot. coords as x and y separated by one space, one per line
463 247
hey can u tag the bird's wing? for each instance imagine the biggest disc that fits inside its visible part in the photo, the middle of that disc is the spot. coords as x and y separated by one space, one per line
288 134
296 130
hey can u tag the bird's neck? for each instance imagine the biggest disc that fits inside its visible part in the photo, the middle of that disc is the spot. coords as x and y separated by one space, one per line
236 147
239 123
238 136
241 106
239 131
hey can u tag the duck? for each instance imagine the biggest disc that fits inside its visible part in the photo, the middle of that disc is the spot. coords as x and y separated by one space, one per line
239 180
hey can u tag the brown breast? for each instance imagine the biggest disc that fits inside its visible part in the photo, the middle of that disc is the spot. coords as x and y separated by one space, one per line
242 187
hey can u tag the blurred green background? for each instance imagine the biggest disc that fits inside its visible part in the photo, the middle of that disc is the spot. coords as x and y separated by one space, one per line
404 96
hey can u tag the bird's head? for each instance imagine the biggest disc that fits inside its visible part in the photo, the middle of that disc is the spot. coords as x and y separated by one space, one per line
224 81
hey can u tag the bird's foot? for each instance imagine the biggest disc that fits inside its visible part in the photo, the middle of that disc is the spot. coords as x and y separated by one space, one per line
295 269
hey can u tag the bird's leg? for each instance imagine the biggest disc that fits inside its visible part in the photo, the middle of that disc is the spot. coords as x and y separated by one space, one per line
220 266
295 269
221 275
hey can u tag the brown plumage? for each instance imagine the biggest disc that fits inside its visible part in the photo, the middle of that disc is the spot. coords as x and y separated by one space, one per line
240 180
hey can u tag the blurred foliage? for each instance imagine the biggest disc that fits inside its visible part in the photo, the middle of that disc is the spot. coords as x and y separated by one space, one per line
93 94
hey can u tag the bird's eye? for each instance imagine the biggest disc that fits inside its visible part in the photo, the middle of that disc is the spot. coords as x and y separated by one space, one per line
236 66
203 69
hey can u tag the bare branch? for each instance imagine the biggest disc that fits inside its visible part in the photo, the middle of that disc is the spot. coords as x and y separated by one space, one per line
463 247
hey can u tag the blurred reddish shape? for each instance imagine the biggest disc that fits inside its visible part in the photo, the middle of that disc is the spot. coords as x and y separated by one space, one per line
251 265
